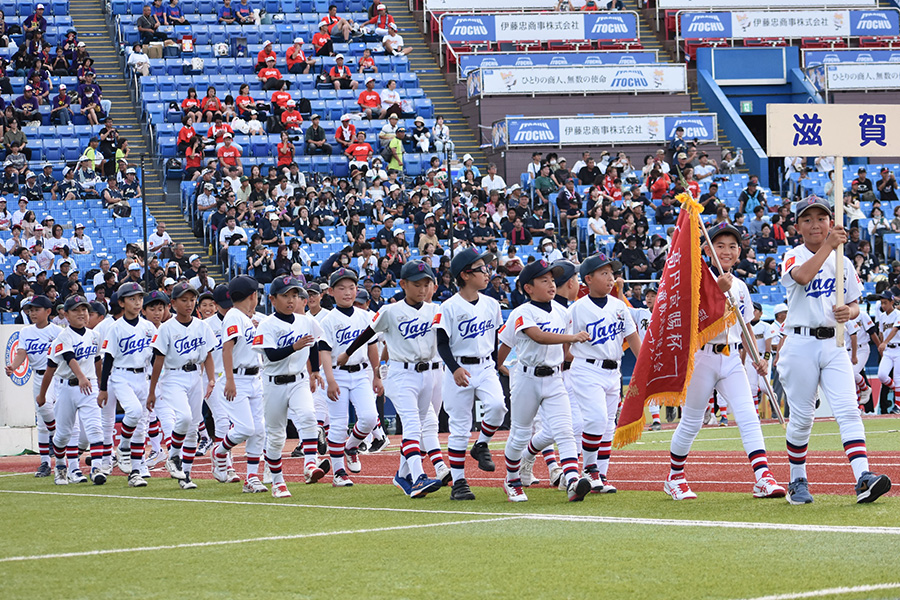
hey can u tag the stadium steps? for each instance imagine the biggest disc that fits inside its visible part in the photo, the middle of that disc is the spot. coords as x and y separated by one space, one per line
647 35
87 17
423 63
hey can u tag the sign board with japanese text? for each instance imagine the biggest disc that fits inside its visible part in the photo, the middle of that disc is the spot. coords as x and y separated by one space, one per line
600 79
789 24
518 27
862 76
470 62
601 130
732 4
833 129
812 58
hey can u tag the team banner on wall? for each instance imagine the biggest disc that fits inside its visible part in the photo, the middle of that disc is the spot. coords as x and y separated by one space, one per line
789 24
516 27
578 80
732 4
812 58
470 62
862 76
608 129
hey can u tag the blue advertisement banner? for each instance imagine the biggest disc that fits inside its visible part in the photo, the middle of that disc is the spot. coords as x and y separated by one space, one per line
470 62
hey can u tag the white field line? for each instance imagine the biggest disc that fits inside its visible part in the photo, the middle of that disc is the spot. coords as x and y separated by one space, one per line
14 474
271 538
859 589
537 516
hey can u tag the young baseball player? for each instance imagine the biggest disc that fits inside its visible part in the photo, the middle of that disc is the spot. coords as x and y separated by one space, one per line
285 339
156 306
431 444
35 342
408 333
348 383
243 389
889 348
809 357
466 326
126 359
206 307
73 362
762 336
538 330
216 400
320 396
718 366
596 363
860 331
98 322
180 347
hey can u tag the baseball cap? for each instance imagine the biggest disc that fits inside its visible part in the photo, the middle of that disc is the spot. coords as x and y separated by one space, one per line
597 261
75 301
298 40
314 288
40 302
284 284
242 287
380 7
345 117
168 281
220 295
97 308
341 274
154 296
415 270
362 296
132 267
392 25
194 257
337 56
183 288
568 271
757 306
466 258
724 228
79 225
39 227
535 269
130 288
30 175
811 202
267 43
205 296
780 308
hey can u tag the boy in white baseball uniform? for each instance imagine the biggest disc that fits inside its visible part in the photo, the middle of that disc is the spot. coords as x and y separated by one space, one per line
125 376
809 357
320 396
98 322
718 366
408 333
859 332
35 342
73 362
156 306
889 348
181 346
762 337
596 363
216 400
243 389
466 326
538 330
206 308
284 339
348 383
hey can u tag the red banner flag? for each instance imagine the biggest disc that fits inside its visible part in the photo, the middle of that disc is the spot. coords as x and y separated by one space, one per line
690 310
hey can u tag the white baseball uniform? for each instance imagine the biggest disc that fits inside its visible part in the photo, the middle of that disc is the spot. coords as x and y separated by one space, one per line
890 359
216 400
108 411
861 326
320 396
285 385
762 332
36 342
246 410
538 383
806 363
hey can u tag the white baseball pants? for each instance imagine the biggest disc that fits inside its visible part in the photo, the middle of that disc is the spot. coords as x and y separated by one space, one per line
292 399
247 415
484 384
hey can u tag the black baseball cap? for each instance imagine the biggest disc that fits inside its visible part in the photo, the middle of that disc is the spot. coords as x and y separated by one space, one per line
98 308
183 288
282 285
342 273
568 272
724 228
242 287
40 302
466 258
811 202
155 296
598 261
362 296
415 270
220 295
129 288
535 269
314 288
757 306
205 296
76 301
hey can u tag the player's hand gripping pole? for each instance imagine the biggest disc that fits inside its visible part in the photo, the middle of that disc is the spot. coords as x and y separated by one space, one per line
839 256
749 339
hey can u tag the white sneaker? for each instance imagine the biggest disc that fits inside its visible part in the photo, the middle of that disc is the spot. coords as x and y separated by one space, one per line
204 445
231 476
353 463
678 488
267 474
442 472
173 466
341 480
107 469
254 486
556 477
279 490
593 475
578 489
323 463
154 458
607 487
60 477
767 487
123 458
312 474
186 483
220 468
144 471
526 470
514 491
77 476
135 480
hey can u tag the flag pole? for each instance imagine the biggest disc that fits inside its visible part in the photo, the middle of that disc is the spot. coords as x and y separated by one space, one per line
838 191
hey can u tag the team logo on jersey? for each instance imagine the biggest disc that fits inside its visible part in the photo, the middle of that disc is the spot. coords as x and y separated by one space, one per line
601 332
105 344
131 344
788 264
59 348
83 350
185 346
21 375
258 340
820 287
232 330
546 327
519 322
473 328
346 335
413 328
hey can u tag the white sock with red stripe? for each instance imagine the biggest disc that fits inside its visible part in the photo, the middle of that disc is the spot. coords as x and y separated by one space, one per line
336 453
676 464
72 457
512 468
603 454
797 458
457 463
654 414
355 439
590 444
570 468
759 462
309 451
275 469
487 432
252 465
859 458
413 455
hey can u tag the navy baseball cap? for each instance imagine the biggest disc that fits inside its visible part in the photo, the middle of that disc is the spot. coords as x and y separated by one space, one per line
811 202
220 295
340 274
535 269
314 288
362 296
724 228
598 261
205 296
98 308
155 296
76 301
242 287
757 306
301 291
569 270
40 302
282 285
466 258
129 288
183 288
415 270
886 295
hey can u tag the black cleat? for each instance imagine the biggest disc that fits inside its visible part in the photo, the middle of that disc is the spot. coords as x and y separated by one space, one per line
321 441
298 451
461 491
44 470
482 454
870 486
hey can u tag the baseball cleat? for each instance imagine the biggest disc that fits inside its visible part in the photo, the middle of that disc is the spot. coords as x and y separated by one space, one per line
607 488
723 422
461 490
144 471
77 476
231 476
61 477
870 486
404 483
895 410
173 466
252 485
514 491
135 480
186 483
98 477
353 463
279 490
321 441
670 414
220 467
767 487
798 492
482 454
204 445
107 469
423 486
340 479
324 464
526 470
655 426
708 417
363 447
442 472
578 489
44 470
123 459
298 451
154 458
312 474
592 473
677 487
378 445
556 477
267 474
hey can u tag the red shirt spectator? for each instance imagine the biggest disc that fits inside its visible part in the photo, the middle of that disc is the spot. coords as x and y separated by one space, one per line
369 99
211 103
241 103
217 130
228 153
360 151
367 62
285 153
320 39
189 104
337 72
269 73
295 55
265 53
186 134
192 160
291 118
281 98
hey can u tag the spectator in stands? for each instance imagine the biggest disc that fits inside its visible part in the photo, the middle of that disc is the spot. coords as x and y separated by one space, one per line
285 150
765 243
751 197
864 186
568 200
148 26
321 41
369 100
441 135
79 58
228 153
887 186
262 59
341 77
80 243
768 275
590 173
381 21
26 107
710 200
86 178
420 135
396 148
706 168
345 134
227 13
360 152
679 144
175 15
138 61
561 174
338 26
211 106
635 260
244 103
297 61
316 142
393 42
191 106
245 13
59 64
658 183
367 62
544 184
158 11
492 181
89 94
86 67
269 76
35 22
665 212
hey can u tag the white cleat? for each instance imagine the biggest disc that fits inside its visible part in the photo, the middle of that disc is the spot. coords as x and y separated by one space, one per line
443 473
135 480
311 474
526 470
341 480
254 486
123 459
77 476
187 483
231 476
267 474
767 487
353 463
220 468
154 459
514 491
98 477
60 477
556 477
678 488
144 471
279 490
173 466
